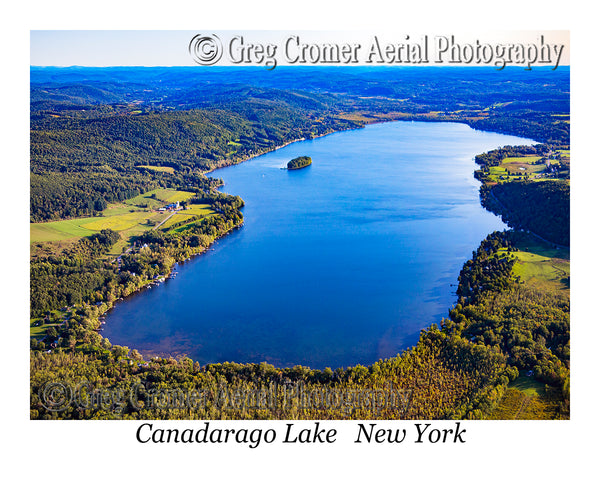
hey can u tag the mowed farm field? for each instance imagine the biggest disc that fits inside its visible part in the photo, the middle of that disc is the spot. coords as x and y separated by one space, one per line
189 214
513 168
156 168
530 167
543 266
129 218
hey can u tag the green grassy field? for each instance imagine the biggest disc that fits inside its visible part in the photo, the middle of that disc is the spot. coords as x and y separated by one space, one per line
528 385
56 317
60 230
130 222
527 159
157 168
498 170
502 174
527 399
39 332
192 211
132 217
516 168
543 266
121 222
524 168
520 168
544 272
185 227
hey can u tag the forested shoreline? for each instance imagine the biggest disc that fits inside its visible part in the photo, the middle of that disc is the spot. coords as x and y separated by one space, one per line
499 329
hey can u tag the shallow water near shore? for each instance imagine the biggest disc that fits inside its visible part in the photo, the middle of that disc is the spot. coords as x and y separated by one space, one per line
337 264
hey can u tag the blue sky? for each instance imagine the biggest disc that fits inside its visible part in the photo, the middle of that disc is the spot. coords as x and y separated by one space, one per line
110 47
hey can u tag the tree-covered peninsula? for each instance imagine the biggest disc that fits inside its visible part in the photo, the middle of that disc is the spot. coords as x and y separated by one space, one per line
299 162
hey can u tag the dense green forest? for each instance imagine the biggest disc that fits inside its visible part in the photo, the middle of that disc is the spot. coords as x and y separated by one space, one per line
541 207
93 131
447 378
532 104
299 162
79 165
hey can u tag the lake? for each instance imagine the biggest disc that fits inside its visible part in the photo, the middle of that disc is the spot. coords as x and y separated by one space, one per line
337 264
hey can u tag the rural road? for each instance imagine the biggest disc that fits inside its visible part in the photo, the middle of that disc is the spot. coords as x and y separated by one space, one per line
157 226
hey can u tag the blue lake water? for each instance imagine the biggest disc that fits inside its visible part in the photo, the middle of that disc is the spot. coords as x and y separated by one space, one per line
337 264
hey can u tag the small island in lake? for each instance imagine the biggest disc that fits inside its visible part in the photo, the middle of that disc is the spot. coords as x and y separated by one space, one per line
299 162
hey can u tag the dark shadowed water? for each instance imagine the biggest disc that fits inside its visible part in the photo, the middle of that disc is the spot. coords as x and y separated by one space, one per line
340 263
